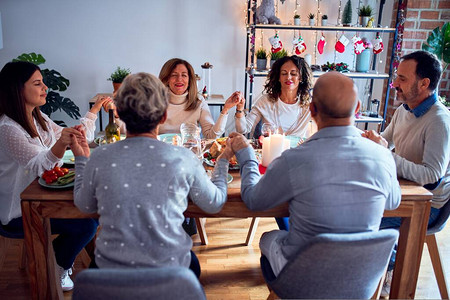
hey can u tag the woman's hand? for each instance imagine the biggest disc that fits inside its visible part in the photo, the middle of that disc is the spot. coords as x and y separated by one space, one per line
109 104
98 104
373 136
65 140
79 146
240 107
233 100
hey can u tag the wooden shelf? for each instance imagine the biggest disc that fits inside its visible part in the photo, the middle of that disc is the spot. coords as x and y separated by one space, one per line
356 75
322 28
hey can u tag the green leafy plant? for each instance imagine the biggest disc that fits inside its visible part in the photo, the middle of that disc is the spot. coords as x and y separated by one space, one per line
347 13
296 16
365 11
279 54
311 16
119 75
444 101
55 82
261 53
438 42
324 17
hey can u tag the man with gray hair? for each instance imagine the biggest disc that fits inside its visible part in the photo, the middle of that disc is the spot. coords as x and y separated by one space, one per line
335 182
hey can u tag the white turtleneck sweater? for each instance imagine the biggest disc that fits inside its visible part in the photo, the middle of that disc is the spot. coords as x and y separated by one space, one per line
176 115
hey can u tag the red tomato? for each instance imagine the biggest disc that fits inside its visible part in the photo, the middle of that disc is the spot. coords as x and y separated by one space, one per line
59 172
47 180
65 170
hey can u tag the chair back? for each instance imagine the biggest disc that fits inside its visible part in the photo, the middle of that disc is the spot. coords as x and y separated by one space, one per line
341 265
441 220
11 234
136 284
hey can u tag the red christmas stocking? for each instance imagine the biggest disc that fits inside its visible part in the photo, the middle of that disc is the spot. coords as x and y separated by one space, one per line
377 45
358 44
276 43
321 44
341 44
299 45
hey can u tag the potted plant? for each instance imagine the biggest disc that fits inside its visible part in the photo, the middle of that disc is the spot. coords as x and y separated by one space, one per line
118 76
296 19
364 12
277 55
438 43
324 20
311 19
347 14
261 59
55 82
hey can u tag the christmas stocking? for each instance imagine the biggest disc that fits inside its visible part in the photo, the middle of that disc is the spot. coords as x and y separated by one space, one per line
299 45
321 44
377 45
358 44
341 44
276 43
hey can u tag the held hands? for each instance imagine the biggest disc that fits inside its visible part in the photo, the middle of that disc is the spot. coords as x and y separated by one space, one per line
98 104
79 145
233 100
375 137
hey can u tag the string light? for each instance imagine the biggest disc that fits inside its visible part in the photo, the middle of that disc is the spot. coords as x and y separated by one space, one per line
315 33
338 24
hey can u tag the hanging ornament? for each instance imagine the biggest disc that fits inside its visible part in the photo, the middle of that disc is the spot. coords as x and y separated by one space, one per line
377 44
299 45
341 44
358 44
321 44
277 45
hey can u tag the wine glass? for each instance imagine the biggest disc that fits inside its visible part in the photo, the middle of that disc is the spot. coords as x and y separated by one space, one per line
267 129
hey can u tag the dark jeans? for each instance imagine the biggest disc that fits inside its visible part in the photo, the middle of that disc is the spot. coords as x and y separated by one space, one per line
396 222
195 265
73 235
283 223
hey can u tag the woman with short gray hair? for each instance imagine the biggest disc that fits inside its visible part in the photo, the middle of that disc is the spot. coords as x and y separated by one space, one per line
140 186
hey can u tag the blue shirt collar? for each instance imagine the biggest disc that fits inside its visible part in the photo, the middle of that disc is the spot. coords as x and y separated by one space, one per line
423 107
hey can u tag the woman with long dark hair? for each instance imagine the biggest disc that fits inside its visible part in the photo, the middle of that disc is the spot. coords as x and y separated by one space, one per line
30 144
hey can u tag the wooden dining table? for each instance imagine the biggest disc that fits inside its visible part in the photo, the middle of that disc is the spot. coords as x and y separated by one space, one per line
39 204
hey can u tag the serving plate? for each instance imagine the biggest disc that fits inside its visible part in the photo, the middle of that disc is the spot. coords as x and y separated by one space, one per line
100 140
42 182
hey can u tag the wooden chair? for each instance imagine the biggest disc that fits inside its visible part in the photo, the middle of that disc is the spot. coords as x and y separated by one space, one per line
334 265
132 283
433 249
5 235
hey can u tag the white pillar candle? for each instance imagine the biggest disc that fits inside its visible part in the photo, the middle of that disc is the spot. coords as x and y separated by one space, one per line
265 161
287 144
276 146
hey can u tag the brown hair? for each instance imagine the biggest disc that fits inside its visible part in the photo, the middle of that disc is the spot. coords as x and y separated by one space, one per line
12 101
273 85
167 69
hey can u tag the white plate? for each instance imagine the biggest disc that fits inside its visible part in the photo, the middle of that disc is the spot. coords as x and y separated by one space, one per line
100 140
229 178
168 137
54 186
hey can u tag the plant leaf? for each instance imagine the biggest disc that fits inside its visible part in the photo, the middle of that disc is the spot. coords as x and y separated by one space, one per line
70 108
446 48
54 80
60 123
52 104
34 58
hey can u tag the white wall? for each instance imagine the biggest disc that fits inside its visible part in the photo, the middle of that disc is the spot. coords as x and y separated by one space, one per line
86 40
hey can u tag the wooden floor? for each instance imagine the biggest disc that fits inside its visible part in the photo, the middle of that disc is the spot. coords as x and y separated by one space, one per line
230 270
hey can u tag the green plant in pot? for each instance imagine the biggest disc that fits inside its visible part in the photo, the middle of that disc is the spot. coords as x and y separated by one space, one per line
55 82
324 20
311 17
364 13
261 59
277 55
438 43
118 76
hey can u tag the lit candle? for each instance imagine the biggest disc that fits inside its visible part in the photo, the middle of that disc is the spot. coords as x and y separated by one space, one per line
276 145
265 161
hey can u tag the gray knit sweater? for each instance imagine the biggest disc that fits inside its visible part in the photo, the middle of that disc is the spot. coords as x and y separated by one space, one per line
140 188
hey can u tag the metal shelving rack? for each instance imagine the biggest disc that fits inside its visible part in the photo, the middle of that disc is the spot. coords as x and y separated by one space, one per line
251 25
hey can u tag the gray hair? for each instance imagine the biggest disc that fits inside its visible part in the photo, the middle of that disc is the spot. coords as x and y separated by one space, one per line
141 102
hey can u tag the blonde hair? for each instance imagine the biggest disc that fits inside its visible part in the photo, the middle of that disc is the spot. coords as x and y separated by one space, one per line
141 102
167 69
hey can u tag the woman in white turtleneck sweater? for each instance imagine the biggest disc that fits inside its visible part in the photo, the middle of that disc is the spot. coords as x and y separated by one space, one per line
185 106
